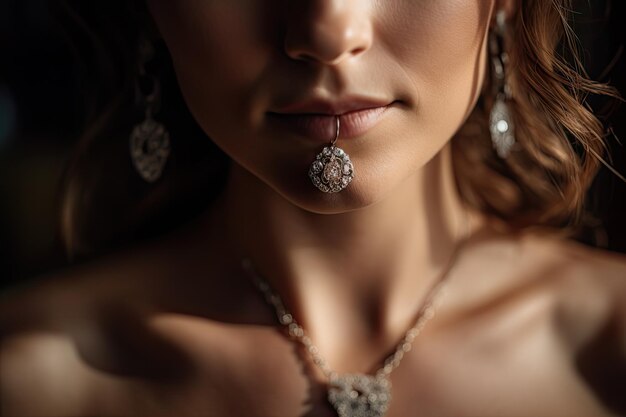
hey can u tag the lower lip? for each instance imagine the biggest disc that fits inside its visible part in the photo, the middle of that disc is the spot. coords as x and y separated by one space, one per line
322 128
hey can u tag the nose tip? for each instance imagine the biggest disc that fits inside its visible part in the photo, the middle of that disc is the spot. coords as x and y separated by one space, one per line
329 33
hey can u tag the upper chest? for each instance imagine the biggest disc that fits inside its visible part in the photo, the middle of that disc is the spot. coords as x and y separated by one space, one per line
508 362
503 355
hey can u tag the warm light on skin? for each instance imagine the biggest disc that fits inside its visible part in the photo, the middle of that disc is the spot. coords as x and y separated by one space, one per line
399 218
236 61
525 325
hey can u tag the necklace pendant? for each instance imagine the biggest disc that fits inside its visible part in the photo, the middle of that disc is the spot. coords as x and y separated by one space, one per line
332 170
357 395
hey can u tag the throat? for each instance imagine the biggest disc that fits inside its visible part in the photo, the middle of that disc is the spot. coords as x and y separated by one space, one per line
351 278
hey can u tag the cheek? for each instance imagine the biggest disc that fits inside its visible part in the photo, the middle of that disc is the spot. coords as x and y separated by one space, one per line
218 48
198 32
441 47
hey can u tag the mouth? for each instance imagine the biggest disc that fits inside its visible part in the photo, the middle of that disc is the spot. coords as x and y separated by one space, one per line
317 120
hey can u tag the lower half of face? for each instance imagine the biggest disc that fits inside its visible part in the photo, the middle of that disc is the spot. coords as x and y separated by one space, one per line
249 68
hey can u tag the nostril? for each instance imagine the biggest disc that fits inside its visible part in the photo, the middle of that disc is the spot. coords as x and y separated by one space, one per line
330 53
330 35
358 50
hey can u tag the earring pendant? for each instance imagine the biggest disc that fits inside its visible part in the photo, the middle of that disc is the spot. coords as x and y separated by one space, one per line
501 124
149 149
501 128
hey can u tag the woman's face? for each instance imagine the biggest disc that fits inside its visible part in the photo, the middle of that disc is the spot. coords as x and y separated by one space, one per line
257 74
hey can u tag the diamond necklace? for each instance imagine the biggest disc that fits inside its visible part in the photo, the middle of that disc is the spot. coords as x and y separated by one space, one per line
357 395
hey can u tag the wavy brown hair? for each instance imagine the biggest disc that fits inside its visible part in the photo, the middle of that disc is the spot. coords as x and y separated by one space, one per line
543 183
561 142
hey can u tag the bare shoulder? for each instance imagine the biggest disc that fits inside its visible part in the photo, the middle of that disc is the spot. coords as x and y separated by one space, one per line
583 288
571 295
577 267
589 289
49 329
592 279
598 263
77 335
38 368
85 338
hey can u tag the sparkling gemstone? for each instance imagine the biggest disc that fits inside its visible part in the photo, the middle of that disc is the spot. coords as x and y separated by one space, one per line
339 152
502 126
318 166
327 151
332 171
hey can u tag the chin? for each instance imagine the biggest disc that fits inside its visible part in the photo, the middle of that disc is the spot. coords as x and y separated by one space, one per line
361 193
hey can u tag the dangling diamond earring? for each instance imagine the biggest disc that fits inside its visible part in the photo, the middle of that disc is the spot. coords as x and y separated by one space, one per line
332 170
500 120
149 140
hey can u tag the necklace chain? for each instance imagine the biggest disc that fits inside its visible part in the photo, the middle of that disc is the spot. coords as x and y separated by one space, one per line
296 332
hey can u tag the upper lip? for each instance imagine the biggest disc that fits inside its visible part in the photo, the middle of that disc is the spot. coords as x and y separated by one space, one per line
333 107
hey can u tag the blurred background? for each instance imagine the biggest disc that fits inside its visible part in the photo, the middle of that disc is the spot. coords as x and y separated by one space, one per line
42 115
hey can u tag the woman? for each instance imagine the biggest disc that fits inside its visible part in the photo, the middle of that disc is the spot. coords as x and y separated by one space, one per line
444 188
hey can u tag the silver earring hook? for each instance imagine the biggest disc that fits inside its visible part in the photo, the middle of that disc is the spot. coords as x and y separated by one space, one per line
332 143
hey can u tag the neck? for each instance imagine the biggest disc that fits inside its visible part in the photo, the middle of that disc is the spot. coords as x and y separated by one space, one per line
371 267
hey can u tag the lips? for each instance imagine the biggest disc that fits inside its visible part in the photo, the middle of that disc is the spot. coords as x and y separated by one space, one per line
316 120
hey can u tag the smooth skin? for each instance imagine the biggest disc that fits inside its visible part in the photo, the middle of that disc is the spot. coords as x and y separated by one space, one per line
529 325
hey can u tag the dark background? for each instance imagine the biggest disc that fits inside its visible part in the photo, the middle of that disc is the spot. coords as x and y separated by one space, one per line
41 117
